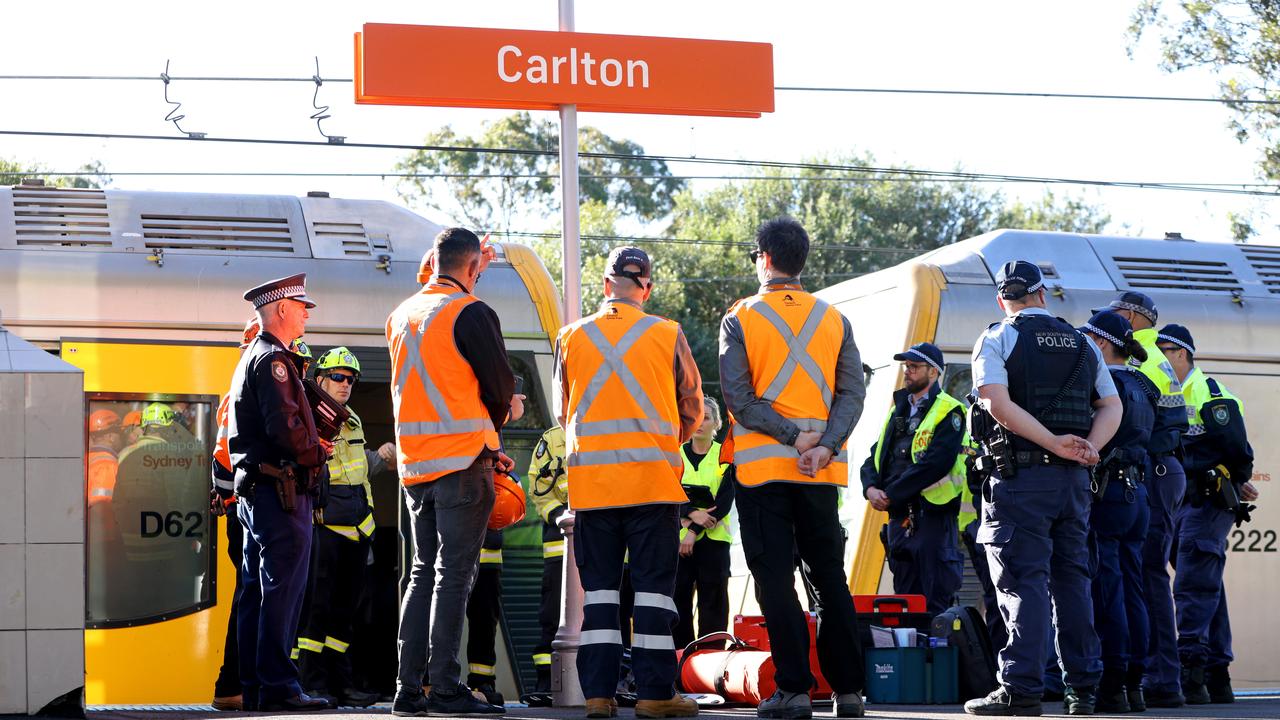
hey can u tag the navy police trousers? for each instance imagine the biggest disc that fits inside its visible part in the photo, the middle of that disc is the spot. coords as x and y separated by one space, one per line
1119 532
1035 529
1204 629
277 550
1166 484
926 560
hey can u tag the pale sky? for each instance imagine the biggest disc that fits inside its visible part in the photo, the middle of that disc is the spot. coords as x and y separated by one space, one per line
1009 45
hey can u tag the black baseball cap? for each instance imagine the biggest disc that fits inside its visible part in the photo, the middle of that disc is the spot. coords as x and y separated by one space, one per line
621 257
927 352
1134 301
1178 335
1018 278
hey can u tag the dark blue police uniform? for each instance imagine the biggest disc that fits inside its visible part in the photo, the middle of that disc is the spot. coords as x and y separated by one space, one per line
1035 523
271 426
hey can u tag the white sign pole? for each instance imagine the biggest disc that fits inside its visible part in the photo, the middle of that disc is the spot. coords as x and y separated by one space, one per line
566 690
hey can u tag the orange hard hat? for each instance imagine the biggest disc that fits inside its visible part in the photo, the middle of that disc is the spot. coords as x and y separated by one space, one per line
133 418
100 420
427 267
508 503
251 329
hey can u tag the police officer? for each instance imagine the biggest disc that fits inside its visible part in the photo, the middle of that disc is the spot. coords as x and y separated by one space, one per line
1118 523
549 489
630 394
1166 485
705 535
1219 465
277 457
1036 378
226 689
915 472
340 545
792 380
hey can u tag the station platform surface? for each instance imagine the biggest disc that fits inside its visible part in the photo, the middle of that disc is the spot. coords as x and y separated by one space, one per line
1246 707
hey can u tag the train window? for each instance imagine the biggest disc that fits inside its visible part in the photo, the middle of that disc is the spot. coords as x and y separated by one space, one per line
150 554
536 409
958 381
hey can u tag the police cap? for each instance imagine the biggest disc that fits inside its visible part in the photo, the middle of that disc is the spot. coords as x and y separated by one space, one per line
624 256
1110 326
293 287
1134 301
1178 335
928 352
1017 279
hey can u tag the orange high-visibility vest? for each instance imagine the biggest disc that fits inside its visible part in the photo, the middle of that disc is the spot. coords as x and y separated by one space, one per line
441 424
623 427
221 450
793 341
102 469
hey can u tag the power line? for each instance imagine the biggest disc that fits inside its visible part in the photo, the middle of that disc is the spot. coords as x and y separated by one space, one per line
778 88
941 175
694 241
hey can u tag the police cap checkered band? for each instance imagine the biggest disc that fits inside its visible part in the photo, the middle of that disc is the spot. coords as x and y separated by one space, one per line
1176 341
1178 335
1018 273
1145 312
1090 328
927 352
293 287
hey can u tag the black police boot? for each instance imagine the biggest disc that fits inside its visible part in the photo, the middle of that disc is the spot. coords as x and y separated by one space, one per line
1218 682
1111 694
1163 698
1079 701
321 695
1193 688
1133 683
351 697
1002 702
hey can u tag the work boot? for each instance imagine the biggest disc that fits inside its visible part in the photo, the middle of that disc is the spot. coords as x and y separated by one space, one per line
1218 682
849 705
229 703
1080 701
1002 702
1193 688
351 697
677 706
1112 697
782 704
1133 684
1163 698
602 708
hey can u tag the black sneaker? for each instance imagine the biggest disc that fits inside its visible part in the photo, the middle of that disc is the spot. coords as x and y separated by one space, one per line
783 705
1002 702
461 703
1163 698
410 705
491 695
1079 701
1218 682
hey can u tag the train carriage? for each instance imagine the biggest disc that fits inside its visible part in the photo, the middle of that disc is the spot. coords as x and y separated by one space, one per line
1228 295
142 290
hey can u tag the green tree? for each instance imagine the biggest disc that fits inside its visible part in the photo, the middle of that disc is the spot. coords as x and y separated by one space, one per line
1239 40
488 190
94 175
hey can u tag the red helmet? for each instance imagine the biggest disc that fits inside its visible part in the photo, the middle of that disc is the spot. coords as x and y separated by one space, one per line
133 418
100 420
508 503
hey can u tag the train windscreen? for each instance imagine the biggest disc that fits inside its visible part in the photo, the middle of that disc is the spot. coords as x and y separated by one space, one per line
149 542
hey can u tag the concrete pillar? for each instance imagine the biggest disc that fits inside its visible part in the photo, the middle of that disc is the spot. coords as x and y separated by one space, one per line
42 501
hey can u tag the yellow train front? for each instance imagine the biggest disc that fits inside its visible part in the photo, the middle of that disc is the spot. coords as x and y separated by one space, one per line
142 290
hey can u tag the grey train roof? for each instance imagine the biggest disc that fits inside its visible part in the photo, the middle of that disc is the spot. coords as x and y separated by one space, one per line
87 263
1228 294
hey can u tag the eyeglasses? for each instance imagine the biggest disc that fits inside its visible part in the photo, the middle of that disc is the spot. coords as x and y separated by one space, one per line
1166 349
914 367
341 378
754 254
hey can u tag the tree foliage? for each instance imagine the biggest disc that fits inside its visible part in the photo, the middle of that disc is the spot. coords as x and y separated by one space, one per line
13 172
487 190
1239 40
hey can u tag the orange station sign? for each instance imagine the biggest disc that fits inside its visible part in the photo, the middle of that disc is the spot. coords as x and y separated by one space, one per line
534 70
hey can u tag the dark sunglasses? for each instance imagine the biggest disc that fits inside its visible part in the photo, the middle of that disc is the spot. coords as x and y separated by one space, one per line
754 254
341 378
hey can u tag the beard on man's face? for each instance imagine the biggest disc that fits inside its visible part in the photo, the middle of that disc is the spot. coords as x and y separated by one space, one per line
918 384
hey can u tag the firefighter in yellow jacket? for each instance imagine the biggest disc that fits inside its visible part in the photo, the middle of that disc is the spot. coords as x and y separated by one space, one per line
549 487
340 546
792 379
630 395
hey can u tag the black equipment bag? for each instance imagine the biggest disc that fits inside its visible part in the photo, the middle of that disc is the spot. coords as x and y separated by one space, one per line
964 629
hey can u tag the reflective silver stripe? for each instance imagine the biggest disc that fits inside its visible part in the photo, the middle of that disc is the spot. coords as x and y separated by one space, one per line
775 450
626 455
595 428
614 365
798 346
103 492
451 464
445 427
604 637
1196 429
655 600
652 642
601 597
224 484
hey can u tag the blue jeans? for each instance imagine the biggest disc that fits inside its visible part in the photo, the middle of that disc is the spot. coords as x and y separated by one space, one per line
449 517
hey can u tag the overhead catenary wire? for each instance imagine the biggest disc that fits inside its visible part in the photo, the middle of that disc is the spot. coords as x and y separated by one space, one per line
1030 94
941 175
695 241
